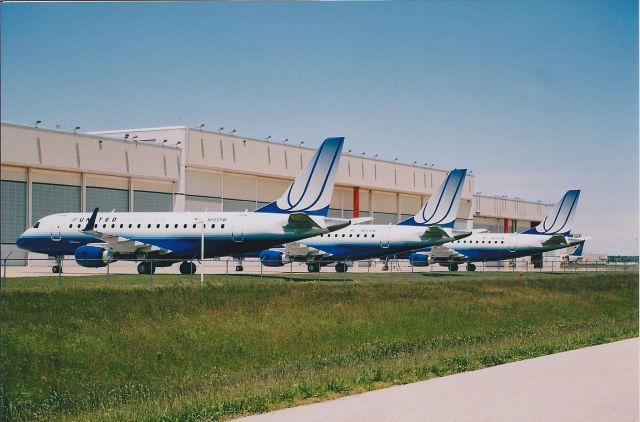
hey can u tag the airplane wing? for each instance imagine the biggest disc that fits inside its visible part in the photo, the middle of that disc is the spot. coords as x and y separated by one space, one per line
119 244
442 252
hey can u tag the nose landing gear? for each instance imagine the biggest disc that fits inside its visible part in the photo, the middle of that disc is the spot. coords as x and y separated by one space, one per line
57 269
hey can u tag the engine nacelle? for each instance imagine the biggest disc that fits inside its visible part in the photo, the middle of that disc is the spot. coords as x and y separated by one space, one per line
419 259
271 258
93 256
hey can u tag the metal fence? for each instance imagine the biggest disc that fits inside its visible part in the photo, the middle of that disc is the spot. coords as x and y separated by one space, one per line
34 267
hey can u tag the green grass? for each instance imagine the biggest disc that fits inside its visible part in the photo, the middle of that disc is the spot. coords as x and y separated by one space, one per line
128 350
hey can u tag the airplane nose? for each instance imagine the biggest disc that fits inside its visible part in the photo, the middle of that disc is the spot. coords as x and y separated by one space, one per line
21 242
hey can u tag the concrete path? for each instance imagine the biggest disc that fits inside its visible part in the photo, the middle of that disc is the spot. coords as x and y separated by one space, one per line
597 383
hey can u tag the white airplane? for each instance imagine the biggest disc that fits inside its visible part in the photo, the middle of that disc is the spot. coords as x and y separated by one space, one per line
160 239
554 232
432 225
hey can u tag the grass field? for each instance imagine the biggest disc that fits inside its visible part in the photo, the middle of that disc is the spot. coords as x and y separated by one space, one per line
128 350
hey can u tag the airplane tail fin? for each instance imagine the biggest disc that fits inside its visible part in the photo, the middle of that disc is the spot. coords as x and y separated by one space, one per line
578 251
442 207
311 191
559 220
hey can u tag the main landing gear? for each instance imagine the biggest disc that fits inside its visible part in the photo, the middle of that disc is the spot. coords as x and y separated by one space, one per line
453 267
341 267
471 267
313 267
187 268
57 269
145 267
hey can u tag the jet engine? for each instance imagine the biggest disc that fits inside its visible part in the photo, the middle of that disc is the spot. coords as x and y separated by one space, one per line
271 258
93 256
419 259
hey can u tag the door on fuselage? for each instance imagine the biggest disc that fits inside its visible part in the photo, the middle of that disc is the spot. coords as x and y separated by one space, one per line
384 237
55 233
237 233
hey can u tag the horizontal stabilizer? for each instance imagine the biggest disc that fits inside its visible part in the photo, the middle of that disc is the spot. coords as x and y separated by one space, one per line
301 221
556 240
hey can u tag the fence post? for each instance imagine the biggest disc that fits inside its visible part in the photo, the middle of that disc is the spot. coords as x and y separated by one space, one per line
151 271
260 270
291 271
60 272
4 276
107 272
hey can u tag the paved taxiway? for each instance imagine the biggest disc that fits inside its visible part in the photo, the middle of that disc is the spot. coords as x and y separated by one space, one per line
597 383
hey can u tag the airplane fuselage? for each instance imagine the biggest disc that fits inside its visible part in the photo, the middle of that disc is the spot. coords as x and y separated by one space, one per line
180 233
486 246
370 241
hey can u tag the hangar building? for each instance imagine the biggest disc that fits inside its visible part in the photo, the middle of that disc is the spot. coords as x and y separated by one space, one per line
178 168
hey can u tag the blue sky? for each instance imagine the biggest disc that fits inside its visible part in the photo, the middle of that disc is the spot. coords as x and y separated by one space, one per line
534 97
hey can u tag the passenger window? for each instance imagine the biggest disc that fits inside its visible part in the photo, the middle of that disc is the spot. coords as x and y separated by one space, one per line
222 226
113 226
78 225
502 241
166 226
213 226
121 225
148 226
70 225
194 226
129 225
373 235
343 235
138 225
483 241
176 226
350 234
185 226
365 235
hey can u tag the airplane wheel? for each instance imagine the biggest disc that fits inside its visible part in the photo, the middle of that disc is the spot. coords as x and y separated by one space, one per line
313 267
142 268
239 268
187 268
341 267
146 268
453 267
55 269
471 267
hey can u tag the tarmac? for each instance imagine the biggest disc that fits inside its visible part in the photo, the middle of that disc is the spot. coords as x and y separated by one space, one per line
598 383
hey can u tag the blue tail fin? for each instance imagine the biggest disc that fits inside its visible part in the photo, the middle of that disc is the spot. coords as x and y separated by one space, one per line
311 191
559 220
578 251
442 207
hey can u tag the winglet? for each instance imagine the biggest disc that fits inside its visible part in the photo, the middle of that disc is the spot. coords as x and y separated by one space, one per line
311 191
91 222
442 207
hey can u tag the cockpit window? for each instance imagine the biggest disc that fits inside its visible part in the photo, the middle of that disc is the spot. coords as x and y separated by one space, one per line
35 226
